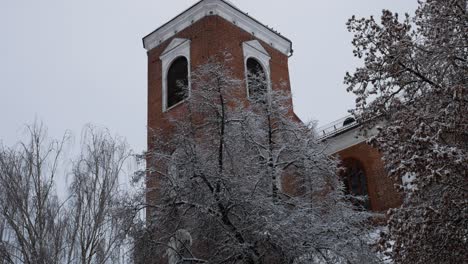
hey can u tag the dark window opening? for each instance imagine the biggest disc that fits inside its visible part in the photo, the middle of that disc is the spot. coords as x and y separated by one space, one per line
355 181
256 80
177 82
349 121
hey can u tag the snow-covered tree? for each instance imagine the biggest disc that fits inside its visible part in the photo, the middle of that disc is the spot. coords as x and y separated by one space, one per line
222 173
414 81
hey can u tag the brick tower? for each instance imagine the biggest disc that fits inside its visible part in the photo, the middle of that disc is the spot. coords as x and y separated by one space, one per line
207 29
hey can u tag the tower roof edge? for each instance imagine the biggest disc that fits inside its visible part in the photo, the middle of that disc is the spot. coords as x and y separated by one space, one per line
225 9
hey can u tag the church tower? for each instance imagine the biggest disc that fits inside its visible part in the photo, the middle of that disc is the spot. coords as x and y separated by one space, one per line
207 29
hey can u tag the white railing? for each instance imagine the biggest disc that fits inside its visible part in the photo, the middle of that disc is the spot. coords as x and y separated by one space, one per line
336 127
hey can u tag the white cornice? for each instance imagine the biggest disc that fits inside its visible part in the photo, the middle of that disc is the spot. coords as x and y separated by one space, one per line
348 138
228 12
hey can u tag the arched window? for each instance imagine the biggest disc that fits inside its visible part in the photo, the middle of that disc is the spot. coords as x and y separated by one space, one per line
256 79
355 181
177 81
349 121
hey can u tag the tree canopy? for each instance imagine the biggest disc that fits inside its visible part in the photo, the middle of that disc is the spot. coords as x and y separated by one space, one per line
413 85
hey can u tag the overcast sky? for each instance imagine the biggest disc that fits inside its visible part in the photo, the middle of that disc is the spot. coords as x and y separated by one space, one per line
69 63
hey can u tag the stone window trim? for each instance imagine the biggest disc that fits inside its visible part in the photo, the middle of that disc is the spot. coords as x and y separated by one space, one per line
254 50
176 49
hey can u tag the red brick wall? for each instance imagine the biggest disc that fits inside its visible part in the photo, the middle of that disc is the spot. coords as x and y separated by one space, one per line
382 193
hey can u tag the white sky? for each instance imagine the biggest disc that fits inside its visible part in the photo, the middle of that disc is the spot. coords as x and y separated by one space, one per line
69 63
